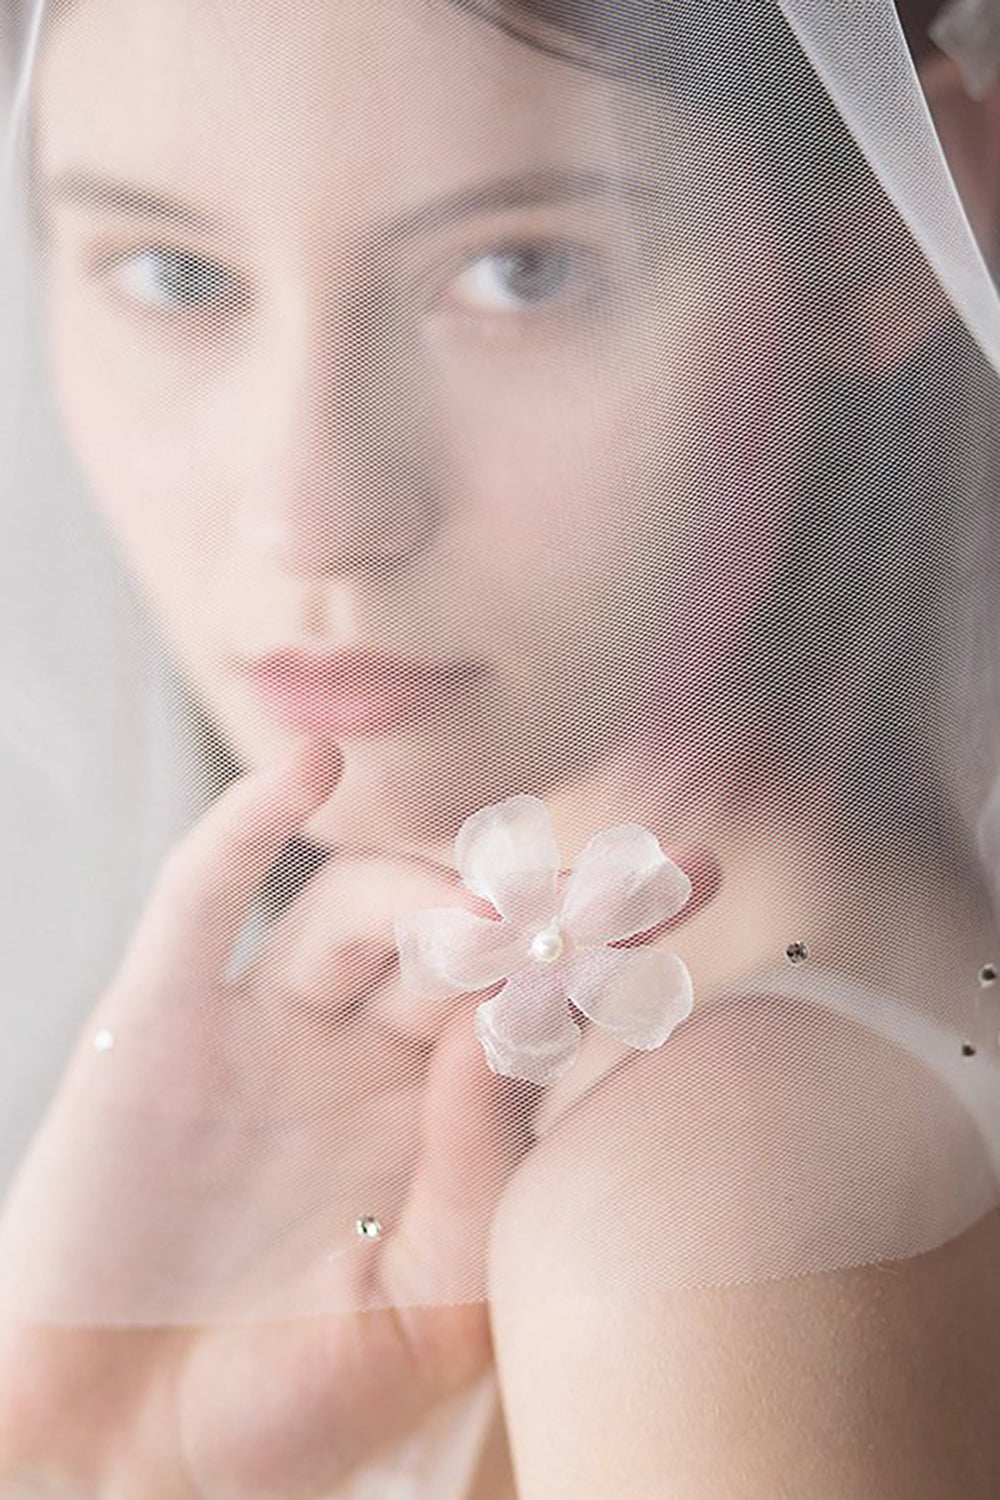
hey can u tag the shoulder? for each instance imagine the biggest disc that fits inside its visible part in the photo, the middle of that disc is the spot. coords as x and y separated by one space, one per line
769 1137
701 1265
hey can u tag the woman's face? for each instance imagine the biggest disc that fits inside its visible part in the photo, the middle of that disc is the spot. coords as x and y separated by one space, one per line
377 330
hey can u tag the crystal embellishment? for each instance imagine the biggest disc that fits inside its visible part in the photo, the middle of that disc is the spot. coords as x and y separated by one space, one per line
104 1040
552 940
368 1227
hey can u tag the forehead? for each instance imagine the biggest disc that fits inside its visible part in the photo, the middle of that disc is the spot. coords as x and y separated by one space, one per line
249 97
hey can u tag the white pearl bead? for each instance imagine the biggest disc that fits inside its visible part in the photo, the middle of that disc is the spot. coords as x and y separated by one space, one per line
546 946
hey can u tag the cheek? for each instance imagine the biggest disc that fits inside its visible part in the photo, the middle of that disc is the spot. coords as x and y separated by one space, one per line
640 493
133 445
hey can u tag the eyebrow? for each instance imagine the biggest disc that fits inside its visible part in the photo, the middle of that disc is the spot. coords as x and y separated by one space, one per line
87 190
555 185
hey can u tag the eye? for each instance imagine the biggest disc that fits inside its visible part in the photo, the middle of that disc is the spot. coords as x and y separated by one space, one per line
517 278
167 280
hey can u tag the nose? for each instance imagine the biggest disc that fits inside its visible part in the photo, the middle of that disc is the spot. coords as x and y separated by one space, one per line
340 475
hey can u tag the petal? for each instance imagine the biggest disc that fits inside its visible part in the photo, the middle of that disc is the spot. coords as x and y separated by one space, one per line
526 1029
507 853
622 884
446 950
638 994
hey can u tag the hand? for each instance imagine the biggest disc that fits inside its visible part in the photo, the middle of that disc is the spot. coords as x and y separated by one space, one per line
209 1164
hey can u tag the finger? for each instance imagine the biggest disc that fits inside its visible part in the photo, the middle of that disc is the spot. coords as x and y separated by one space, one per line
475 1129
335 948
207 879
327 1394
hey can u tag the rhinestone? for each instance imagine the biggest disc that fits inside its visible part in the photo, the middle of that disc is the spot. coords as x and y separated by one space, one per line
368 1227
104 1040
988 975
547 946
796 953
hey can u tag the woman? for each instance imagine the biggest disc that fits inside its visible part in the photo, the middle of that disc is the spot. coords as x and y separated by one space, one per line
546 406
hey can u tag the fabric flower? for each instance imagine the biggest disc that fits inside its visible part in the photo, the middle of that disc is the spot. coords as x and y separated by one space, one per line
552 946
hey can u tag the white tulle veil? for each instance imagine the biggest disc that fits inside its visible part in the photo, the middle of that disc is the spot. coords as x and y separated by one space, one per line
107 757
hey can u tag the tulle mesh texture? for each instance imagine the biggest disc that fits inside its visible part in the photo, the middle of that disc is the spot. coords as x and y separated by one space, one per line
604 399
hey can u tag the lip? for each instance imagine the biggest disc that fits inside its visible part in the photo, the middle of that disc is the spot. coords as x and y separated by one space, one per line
356 691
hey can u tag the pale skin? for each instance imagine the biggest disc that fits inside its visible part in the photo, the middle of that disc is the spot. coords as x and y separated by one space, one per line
290 1408
246 498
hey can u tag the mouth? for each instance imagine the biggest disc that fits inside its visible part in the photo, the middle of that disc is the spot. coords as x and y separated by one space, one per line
356 691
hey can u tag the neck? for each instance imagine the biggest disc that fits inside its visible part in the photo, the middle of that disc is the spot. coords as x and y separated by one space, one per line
762 876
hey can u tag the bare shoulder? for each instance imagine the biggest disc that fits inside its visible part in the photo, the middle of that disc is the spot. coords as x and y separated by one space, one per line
759 1261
